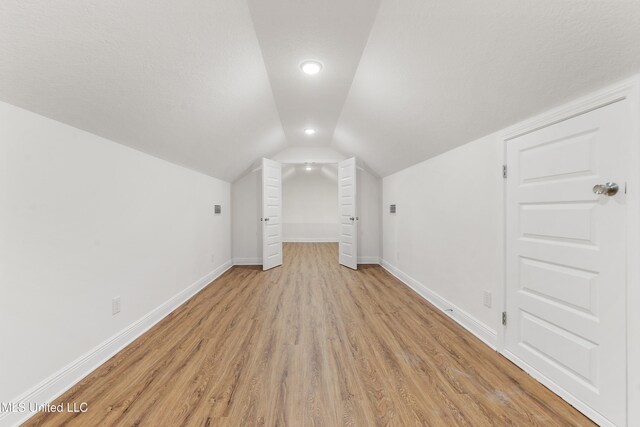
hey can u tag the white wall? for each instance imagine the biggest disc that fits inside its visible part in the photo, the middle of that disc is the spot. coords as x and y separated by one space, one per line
310 203
83 219
446 237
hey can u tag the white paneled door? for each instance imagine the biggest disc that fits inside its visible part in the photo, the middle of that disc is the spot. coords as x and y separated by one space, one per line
271 214
348 246
566 241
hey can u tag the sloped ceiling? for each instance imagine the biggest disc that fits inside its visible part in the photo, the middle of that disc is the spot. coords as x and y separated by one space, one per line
181 80
332 31
439 74
214 85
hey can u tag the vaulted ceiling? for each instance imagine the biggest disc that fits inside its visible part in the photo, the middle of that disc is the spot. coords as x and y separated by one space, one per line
181 80
214 85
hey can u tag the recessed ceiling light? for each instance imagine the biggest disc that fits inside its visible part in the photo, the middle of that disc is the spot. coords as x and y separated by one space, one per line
311 67
309 131
308 168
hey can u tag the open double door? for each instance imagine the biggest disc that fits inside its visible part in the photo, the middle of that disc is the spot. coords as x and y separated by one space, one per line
272 214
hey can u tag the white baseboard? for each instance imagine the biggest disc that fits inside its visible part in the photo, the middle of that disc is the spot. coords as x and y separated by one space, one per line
310 240
580 406
61 381
470 323
369 260
247 261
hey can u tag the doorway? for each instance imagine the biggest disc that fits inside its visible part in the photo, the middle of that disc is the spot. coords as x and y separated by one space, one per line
309 203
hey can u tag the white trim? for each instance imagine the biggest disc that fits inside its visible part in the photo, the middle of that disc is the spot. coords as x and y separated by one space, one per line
630 90
580 406
247 261
61 381
485 333
310 240
633 268
369 260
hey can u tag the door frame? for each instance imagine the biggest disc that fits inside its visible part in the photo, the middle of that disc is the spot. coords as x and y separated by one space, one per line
625 90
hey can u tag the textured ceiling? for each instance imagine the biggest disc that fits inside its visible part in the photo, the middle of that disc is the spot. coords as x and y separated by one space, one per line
438 74
181 80
214 85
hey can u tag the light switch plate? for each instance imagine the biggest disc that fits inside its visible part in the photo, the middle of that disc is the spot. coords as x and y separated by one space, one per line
115 305
487 299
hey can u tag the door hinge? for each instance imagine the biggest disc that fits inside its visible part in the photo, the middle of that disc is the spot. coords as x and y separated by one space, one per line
504 171
504 317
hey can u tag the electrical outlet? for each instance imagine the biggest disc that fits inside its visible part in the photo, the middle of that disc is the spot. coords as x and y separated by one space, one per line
487 299
115 305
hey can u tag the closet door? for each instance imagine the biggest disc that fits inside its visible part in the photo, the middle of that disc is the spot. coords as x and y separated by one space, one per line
566 250
347 202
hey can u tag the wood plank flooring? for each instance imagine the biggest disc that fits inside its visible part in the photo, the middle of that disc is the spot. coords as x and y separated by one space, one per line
310 344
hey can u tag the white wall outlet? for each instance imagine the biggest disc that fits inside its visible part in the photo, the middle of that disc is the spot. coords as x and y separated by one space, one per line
487 299
115 305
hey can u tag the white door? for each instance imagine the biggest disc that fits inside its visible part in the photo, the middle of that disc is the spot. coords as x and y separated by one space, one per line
348 246
271 214
566 259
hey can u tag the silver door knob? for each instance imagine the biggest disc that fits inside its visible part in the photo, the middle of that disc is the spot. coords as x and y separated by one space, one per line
608 189
266 219
352 219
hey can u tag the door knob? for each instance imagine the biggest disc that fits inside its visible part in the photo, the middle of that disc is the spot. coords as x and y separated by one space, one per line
352 219
608 189
266 219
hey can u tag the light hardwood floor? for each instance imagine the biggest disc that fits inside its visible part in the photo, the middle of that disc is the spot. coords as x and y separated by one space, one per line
310 344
